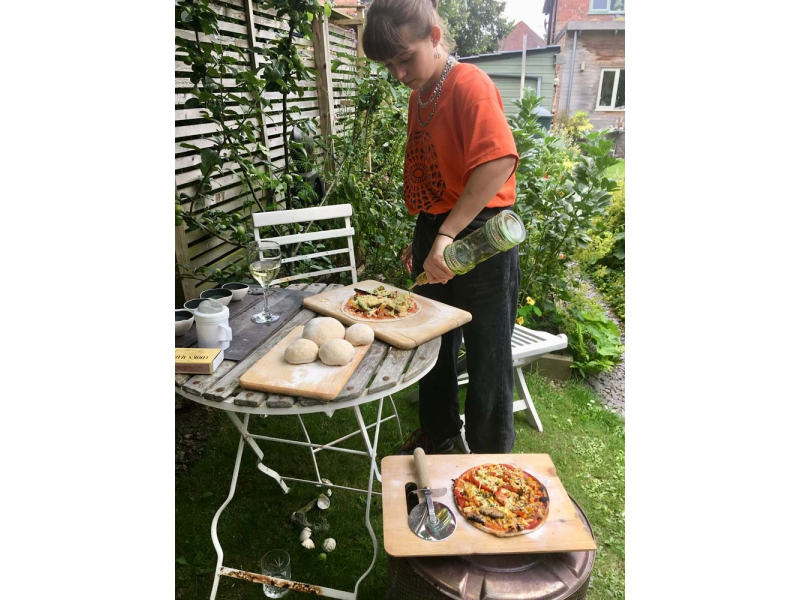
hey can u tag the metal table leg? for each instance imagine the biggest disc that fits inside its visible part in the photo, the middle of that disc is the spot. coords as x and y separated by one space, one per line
244 436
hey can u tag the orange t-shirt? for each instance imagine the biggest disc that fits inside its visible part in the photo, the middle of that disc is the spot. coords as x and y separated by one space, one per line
468 129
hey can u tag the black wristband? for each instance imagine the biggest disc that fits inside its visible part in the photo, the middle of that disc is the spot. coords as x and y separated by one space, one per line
445 235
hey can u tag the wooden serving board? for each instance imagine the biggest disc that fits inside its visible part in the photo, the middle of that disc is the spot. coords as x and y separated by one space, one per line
563 531
313 380
433 319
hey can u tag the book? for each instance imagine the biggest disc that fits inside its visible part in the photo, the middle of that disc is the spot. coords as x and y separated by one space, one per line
198 361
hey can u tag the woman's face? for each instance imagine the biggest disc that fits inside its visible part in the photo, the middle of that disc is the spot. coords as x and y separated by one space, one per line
415 66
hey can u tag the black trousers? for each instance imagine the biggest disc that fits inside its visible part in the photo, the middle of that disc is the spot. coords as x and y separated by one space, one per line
489 292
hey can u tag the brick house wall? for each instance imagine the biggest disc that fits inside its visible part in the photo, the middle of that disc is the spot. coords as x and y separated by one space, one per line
597 50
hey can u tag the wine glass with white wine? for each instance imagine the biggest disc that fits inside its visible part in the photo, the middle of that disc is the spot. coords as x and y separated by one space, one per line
264 260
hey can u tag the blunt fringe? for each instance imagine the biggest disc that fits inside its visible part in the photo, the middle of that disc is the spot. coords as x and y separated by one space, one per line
385 18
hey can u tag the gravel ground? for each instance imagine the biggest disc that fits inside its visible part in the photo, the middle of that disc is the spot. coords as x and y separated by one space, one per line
194 424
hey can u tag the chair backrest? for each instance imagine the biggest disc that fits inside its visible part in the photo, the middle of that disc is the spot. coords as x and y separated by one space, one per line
307 215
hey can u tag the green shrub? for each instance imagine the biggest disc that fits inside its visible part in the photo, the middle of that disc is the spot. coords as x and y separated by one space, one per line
562 192
604 257
370 148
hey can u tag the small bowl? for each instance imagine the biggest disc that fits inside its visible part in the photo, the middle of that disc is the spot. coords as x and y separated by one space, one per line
239 290
192 305
183 321
220 295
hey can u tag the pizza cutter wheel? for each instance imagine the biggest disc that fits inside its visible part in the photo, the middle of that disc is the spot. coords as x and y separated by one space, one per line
429 520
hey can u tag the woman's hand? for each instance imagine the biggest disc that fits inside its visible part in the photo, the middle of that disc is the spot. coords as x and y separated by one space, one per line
434 266
407 259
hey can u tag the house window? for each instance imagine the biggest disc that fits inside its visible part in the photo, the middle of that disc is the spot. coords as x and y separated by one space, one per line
607 6
611 95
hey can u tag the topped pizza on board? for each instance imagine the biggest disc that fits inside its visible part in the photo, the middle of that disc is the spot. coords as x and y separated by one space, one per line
380 305
501 499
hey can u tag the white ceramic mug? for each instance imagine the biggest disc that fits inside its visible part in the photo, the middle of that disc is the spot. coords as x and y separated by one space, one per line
213 330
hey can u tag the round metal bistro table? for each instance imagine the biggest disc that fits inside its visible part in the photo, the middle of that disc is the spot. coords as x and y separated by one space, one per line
383 371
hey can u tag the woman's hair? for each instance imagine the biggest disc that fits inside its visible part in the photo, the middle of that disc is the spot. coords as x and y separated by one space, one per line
385 18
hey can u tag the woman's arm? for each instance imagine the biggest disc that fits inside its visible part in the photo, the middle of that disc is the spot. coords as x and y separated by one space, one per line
483 185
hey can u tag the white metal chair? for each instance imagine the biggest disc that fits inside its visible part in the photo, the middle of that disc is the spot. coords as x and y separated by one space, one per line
308 215
304 216
526 346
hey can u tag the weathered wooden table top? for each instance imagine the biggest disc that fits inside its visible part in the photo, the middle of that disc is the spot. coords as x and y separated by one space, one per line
384 368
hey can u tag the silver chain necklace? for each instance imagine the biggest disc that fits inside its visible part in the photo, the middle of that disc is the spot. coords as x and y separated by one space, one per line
437 92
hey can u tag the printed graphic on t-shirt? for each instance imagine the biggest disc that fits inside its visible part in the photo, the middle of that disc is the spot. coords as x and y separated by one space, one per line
423 185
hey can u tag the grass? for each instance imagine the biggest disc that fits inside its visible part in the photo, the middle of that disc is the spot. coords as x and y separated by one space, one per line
585 441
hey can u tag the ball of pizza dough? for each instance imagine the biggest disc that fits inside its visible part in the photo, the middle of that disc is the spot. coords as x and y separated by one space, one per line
323 329
301 351
336 352
360 334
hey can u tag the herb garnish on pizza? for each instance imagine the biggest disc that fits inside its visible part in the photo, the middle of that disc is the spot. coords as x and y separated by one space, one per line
380 305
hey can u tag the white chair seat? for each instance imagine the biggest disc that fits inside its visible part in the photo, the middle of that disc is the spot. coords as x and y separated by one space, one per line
527 344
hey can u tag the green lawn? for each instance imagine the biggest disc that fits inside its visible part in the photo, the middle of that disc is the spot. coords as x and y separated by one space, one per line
585 441
617 171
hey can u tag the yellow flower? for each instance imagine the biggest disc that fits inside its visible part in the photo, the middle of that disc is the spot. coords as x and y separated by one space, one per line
520 320
530 301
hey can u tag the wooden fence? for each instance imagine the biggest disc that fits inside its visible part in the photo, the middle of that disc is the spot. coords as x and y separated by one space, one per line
244 24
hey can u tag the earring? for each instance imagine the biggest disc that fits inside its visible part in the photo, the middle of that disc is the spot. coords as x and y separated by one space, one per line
436 54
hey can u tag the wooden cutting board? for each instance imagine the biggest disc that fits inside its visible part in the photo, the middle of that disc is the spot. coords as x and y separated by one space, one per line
433 319
563 531
313 380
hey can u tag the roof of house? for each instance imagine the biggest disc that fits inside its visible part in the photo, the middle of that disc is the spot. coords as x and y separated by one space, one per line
496 55
616 25
514 39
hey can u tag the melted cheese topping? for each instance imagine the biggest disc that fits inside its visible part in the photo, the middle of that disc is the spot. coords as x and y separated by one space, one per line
476 497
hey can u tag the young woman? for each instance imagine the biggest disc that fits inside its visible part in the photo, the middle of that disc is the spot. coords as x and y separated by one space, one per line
459 172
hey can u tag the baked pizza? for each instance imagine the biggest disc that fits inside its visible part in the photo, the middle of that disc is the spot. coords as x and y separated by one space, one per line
380 304
501 499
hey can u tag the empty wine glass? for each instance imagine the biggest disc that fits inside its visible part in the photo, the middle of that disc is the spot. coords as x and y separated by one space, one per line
276 563
264 262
